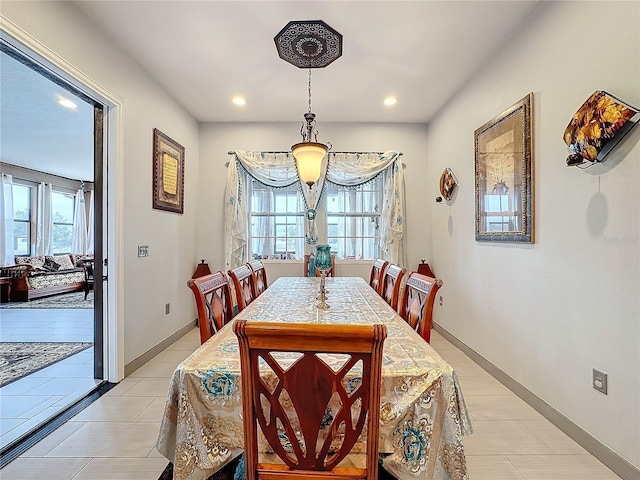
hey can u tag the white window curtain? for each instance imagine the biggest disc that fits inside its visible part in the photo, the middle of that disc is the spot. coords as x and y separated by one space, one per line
44 245
347 169
79 235
6 220
90 235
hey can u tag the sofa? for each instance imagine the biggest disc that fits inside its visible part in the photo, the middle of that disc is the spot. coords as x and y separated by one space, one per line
43 275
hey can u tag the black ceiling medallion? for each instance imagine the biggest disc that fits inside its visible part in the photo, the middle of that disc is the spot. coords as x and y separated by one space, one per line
308 44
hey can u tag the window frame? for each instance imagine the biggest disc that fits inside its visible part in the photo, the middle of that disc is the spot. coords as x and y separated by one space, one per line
63 191
31 222
374 186
273 238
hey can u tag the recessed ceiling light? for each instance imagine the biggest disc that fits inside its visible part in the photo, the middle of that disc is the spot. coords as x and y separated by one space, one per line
65 102
239 100
390 101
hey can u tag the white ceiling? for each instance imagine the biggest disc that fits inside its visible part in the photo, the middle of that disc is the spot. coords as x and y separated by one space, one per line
205 52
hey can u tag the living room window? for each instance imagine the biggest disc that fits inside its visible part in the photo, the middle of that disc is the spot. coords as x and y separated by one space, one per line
62 205
277 222
22 213
353 220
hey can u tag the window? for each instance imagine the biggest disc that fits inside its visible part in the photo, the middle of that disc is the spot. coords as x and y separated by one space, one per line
62 206
353 220
21 220
277 222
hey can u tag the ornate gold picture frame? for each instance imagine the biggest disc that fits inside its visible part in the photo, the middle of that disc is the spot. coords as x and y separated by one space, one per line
168 173
504 176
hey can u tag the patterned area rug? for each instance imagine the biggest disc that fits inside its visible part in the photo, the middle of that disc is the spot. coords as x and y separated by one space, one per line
63 300
18 359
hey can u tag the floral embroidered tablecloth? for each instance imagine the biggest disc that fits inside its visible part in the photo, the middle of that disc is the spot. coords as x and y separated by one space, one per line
423 416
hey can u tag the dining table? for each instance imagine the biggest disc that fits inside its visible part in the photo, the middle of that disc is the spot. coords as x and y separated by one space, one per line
423 416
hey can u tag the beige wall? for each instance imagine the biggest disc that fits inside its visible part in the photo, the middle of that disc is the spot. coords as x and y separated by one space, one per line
153 281
547 313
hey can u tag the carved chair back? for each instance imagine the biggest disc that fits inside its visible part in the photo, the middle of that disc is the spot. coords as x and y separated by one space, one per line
391 281
377 273
416 306
260 276
244 285
310 388
213 301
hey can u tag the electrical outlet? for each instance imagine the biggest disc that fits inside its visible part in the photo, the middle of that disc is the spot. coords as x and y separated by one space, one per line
440 300
143 250
167 309
600 381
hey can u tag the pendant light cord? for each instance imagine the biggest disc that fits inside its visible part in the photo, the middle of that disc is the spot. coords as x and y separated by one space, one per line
309 90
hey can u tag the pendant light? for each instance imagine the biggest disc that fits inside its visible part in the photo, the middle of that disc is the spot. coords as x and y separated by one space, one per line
309 44
309 153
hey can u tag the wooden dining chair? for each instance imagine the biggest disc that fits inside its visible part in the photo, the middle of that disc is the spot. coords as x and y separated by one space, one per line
416 305
377 273
330 273
318 385
213 301
391 281
244 285
89 281
260 276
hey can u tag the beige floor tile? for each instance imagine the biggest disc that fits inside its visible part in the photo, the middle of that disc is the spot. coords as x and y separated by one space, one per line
109 439
464 366
153 413
123 469
482 385
52 440
173 356
148 387
43 468
491 467
153 369
503 438
561 467
499 407
113 409
554 438
123 386
190 341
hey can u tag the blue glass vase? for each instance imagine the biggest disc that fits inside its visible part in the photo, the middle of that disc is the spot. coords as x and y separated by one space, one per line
323 257
323 263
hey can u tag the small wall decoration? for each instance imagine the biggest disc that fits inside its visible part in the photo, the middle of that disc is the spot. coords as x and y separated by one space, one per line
448 182
504 181
598 125
168 173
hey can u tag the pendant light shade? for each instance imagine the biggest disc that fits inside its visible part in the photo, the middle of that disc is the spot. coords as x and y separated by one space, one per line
309 156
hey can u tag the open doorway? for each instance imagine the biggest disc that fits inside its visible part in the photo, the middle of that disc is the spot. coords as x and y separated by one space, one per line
52 169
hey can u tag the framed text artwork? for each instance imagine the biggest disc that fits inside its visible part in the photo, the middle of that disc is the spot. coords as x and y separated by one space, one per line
504 176
168 173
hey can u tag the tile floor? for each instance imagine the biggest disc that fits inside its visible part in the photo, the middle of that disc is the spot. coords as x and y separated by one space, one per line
114 438
31 400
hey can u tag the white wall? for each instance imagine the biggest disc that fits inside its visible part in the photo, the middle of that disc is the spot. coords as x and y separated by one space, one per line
546 314
216 139
160 278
